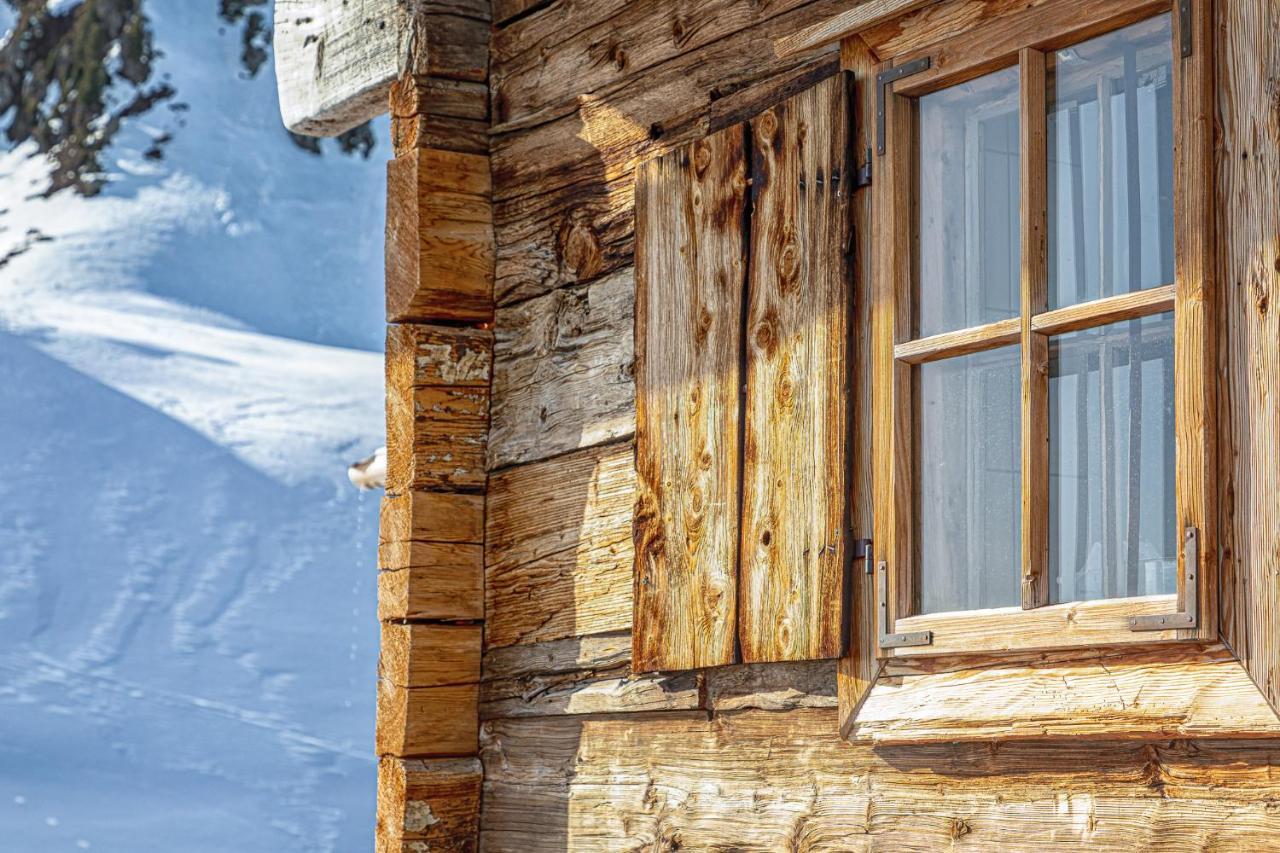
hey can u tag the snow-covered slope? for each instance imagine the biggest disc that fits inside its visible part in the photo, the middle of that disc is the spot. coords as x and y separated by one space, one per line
187 363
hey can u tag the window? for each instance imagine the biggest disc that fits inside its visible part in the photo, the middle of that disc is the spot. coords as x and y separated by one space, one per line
1042 349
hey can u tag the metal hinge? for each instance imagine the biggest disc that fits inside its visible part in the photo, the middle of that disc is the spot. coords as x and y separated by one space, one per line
862 178
889 640
1190 615
1184 15
885 79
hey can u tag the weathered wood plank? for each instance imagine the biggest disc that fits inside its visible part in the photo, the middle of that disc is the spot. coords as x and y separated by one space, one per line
690 272
437 406
439 255
579 693
571 654
545 78
858 668
428 805
431 580
567 217
428 517
563 372
784 781
426 722
1248 222
795 479
418 655
865 15
1159 693
772 686
336 60
559 556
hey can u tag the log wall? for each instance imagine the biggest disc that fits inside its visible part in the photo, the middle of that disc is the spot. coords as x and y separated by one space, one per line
579 753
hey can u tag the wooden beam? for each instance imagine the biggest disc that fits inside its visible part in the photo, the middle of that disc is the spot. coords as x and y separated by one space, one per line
865 15
437 406
427 722
439 248
336 60
428 805
418 655
1158 693
559 553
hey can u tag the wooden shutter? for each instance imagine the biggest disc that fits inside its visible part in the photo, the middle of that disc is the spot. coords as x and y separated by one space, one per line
795 437
690 263
741 518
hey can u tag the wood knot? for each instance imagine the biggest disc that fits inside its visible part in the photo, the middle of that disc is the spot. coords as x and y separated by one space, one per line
579 249
959 828
701 157
1261 297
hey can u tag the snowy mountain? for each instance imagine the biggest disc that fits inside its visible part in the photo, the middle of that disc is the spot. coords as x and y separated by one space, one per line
188 362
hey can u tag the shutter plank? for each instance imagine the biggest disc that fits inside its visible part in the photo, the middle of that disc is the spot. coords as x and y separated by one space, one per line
689 279
795 437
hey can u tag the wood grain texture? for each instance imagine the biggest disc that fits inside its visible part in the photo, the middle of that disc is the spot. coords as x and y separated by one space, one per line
858 668
784 781
772 686
426 722
1158 694
429 517
428 805
690 270
1195 321
1103 622
1034 297
336 60
1248 231
563 372
421 655
439 237
1001 29
565 213
431 580
794 479
863 16
559 555
591 51
1109 309
589 693
960 342
437 407
594 653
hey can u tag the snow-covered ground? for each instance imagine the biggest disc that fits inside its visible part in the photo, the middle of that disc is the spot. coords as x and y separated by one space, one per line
187 363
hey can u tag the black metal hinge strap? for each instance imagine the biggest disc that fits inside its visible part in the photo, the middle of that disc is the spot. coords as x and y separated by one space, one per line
1190 615
1184 25
884 80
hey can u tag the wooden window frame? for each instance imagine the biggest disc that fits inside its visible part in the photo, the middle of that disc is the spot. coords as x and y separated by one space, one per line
1022 39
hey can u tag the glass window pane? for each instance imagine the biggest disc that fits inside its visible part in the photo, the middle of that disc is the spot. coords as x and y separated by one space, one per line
968 250
969 479
1110 128
1111 466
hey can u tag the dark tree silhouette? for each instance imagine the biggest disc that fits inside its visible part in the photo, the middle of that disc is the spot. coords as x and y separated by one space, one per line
69 78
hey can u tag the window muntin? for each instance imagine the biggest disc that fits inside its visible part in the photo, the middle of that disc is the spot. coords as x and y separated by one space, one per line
1038 623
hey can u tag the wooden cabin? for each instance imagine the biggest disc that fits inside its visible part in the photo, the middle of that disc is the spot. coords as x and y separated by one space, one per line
822 425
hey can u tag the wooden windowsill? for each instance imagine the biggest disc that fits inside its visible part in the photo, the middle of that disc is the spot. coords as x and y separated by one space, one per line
1161 692
1055 626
